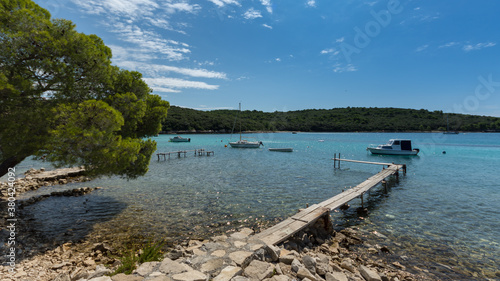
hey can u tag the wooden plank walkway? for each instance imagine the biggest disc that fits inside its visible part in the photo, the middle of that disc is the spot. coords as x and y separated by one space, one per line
199 152
280 232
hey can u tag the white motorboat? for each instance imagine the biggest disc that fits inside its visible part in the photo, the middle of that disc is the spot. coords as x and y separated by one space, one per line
394 147
242 143
179 139
284 149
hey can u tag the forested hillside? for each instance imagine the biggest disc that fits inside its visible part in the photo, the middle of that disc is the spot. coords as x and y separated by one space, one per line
348 119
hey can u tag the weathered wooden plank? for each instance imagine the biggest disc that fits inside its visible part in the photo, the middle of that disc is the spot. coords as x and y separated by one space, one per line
280 232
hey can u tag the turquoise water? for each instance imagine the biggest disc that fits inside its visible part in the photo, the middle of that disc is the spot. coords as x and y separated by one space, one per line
443 215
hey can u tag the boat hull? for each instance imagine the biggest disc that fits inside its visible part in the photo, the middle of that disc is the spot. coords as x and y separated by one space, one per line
375 150
182 140
288 149
244 144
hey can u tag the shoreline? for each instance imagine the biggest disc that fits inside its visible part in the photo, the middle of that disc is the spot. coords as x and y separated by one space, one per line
93 250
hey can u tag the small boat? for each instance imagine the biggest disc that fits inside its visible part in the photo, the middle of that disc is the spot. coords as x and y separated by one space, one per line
394 147
285 149
180 139
448 132
244 143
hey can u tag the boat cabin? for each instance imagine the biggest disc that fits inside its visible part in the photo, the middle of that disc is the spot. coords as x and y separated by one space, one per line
398 145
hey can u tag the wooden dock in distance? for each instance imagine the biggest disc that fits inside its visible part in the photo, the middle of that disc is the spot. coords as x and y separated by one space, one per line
282 231
197 152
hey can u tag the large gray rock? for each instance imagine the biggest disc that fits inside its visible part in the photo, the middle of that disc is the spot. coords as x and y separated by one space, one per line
146 268
274 252
296 265
305 273
369 274
192 275
241 258
287 259
100 270
348 264
280 278
228 273
259 270
212 265
102 278
309 263
169 266
336 276
125 277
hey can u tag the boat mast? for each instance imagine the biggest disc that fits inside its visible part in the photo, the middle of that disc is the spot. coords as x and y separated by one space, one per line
240 120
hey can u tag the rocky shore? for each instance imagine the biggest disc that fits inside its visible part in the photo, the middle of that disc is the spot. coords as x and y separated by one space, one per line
237 257
317 253
34 179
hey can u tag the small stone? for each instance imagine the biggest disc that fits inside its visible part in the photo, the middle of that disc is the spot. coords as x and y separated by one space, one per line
274 252
192 275
228 273
212 265
239 244
309 263
241 258
219 253
258 270
304 273
124 277
369 274
287 259
169 266
347 264
102 278
146 268
296 265
89 262
336 276
60 265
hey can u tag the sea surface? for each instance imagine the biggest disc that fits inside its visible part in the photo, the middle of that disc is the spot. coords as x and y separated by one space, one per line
442 216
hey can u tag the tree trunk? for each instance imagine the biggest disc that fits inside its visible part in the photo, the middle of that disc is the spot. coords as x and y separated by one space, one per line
10 162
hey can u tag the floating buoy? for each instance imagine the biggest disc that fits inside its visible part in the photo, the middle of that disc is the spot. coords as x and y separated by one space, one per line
225 145
444 152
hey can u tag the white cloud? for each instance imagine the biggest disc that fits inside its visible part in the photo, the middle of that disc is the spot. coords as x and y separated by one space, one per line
478 46
252 14
330 51
421 48
338 68
340 40
267 26
129 8
150 41
449 45
222 3
267 4
181 7
311 3
176 83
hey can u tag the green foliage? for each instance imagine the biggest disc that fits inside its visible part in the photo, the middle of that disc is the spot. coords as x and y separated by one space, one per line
128 265
152 252
349 119
62 98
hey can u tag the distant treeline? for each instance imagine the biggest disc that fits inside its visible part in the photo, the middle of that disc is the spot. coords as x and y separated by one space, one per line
348 119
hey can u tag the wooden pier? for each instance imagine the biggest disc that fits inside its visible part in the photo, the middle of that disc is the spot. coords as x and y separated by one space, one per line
280 232
197 152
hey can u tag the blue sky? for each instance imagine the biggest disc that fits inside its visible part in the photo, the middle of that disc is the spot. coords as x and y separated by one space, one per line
290 55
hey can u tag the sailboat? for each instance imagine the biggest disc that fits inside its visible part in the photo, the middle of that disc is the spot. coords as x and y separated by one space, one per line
242 143
448 132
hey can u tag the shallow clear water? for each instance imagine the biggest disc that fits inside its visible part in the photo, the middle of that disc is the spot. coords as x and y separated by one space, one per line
445 211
